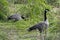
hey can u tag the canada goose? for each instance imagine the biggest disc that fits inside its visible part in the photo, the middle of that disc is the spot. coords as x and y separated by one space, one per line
42 25
16 17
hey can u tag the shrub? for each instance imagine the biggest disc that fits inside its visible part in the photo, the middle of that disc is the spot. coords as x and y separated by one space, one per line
3 9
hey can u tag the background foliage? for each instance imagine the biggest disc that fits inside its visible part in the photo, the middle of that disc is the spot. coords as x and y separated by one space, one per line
3 9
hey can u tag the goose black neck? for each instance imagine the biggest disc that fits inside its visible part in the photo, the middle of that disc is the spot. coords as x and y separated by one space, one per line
45 17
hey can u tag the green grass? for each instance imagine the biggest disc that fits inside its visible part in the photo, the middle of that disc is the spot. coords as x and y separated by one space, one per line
17 30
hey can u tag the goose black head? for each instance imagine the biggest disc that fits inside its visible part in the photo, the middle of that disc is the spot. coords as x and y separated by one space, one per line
47 10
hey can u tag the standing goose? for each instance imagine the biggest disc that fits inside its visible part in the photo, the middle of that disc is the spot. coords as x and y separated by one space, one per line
42 25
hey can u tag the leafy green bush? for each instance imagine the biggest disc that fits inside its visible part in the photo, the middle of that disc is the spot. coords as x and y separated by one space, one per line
3 9
55 3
